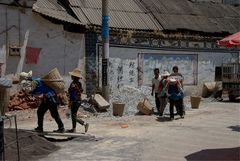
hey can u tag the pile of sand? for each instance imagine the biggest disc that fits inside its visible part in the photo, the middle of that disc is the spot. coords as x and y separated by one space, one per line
32 146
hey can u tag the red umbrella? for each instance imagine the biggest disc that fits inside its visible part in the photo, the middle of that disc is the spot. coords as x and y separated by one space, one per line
230 41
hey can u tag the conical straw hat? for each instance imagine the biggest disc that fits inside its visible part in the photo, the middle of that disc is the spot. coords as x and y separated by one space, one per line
76 73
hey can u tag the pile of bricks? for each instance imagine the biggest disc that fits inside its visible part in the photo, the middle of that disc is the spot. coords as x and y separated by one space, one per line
22 101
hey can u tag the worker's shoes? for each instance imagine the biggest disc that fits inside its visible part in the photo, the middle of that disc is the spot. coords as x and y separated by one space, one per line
72 130
38 129
62 130
86 125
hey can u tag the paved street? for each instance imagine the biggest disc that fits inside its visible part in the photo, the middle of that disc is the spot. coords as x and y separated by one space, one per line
213 126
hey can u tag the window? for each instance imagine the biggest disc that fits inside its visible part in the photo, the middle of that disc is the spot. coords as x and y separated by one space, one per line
14 50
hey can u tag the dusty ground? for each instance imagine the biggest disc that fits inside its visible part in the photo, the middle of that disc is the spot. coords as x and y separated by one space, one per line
215 125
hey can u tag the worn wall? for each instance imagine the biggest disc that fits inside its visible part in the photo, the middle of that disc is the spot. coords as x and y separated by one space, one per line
59 48
126 69
165 62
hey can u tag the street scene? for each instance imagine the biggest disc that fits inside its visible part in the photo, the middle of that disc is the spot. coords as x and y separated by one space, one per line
120 80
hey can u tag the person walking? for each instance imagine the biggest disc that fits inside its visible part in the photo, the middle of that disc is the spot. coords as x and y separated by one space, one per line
155 88
177 75
35 86
163 92
75 90
175 95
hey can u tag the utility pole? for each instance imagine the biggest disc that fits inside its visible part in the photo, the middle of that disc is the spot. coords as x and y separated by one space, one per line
105 45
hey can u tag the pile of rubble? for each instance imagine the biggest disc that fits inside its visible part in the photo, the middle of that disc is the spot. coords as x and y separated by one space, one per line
22 101
131 96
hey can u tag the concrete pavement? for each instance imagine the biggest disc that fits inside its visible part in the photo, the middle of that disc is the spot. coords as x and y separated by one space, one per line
214 125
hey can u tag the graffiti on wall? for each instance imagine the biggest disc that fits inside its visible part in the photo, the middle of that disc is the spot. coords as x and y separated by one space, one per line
187 64
122 72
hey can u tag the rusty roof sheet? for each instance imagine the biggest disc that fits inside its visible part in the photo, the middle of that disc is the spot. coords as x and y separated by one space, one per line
53 9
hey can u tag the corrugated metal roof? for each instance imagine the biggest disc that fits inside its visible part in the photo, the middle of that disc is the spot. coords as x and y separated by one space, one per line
161 14
118 19
52 9
120 5
205 17
125 14
28 3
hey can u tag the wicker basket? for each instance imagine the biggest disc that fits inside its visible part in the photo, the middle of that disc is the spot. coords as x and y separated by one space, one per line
118 108
145 107
195 101
54 80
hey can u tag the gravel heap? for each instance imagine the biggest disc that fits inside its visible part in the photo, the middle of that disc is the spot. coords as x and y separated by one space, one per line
131 96
32 146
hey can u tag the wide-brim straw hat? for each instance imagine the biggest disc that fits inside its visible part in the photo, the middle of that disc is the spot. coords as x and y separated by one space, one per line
165 74
76 73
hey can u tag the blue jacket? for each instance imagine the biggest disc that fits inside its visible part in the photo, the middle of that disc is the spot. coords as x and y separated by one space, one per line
41 88
175 93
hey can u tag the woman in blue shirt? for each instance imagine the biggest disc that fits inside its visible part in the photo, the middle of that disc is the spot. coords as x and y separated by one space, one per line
175 95
49 101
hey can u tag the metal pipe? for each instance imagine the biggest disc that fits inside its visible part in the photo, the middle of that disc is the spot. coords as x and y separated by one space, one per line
15 119
105 41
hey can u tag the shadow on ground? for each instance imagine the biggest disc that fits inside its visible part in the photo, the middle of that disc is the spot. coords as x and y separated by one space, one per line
229 154
163 119
235 128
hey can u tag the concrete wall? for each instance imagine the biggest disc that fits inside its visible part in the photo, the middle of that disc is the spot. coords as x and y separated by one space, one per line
60 49
125 68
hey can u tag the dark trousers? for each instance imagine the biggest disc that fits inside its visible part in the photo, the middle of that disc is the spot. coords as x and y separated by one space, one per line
183 107
179 107
74 109
157 101
48 104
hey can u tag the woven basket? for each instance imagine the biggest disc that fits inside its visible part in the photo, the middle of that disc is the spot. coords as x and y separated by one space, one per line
145 107
54 80
118 108
195 101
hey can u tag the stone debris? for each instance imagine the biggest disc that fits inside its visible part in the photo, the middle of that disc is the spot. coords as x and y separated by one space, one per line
101 102
131 96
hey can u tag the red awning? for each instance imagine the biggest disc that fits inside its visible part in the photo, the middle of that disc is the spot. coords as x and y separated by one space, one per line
230 41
